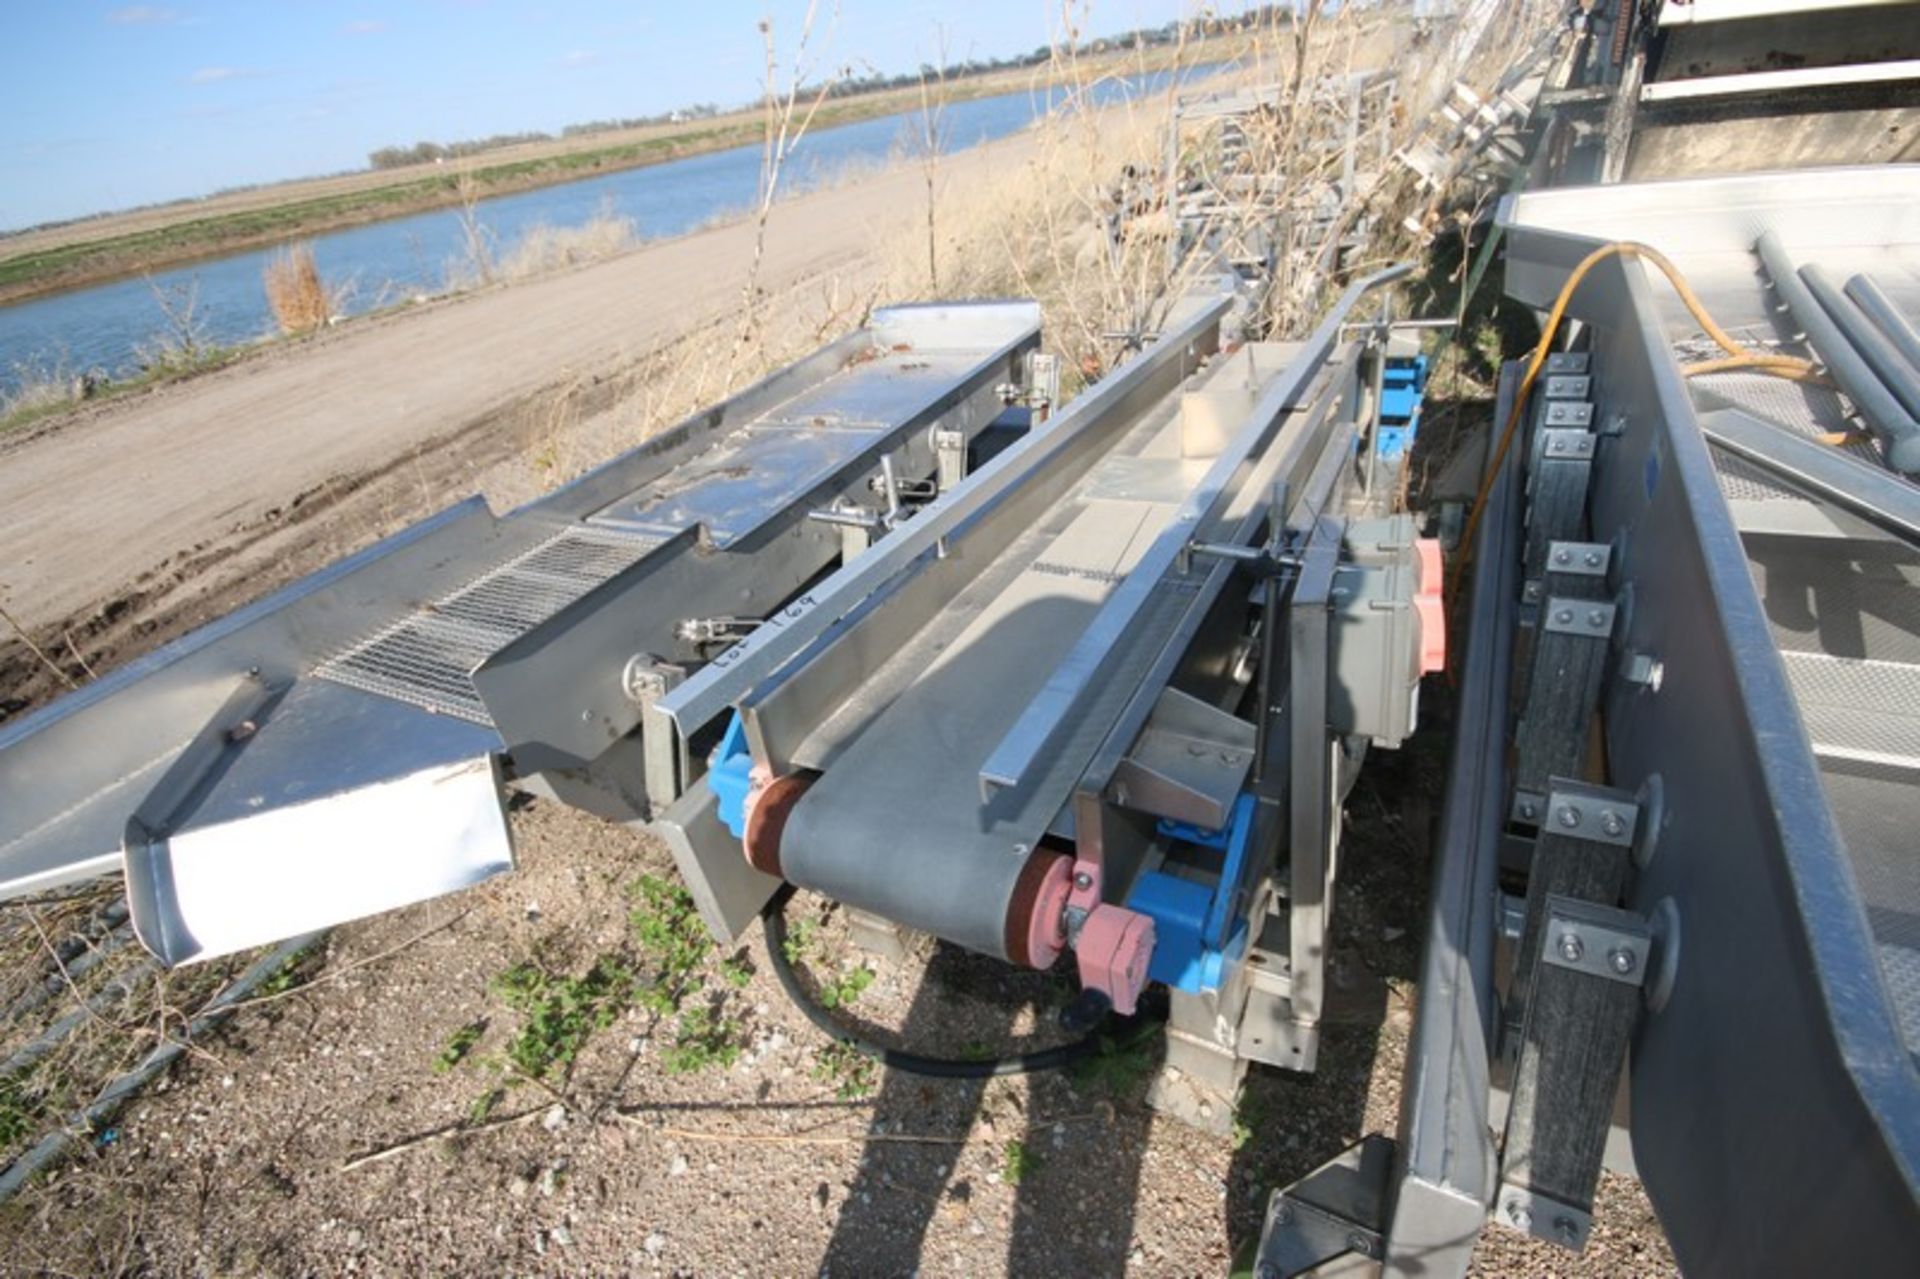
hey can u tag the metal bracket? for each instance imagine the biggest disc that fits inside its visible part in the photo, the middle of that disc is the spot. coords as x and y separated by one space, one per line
1543 1216
1578 617
1567 362
1561 414
1569 386
1598 940
950 458
1335 1210
712 630
1588 559
1592 812
667 763
1563 443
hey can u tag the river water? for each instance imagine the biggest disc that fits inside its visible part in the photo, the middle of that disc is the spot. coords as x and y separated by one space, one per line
103 327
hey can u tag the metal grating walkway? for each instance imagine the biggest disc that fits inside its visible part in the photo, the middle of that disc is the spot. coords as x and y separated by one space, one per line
426 659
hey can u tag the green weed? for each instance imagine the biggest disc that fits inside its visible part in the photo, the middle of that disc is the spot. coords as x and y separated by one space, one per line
736 972
1120 1069
458 1046
801 936
704 1039
851 1072
844 989
1017 1163
673 943
16 1114
562 1012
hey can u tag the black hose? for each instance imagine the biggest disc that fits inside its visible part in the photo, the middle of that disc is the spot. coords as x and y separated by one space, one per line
775 919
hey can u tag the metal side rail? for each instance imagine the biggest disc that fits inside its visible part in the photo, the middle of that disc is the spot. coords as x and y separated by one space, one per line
340 747
1773 1077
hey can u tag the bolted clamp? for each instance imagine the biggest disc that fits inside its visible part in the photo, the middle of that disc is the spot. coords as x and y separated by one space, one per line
1598 940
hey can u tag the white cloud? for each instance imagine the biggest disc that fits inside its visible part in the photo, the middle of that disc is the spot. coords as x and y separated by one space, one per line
577 58
143 15
365 27
215 75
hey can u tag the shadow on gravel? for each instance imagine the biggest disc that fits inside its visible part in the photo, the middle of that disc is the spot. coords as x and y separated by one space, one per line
1073 1156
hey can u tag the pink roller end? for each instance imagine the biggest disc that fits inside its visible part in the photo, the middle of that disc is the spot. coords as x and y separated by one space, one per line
1114 947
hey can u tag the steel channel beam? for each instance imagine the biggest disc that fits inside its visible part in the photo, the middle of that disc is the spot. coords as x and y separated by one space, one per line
1310 797
1444 1166
1037 728
732 675
1818 469
1775 1051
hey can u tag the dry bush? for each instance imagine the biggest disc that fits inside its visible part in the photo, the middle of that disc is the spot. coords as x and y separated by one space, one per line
295 290
1080 219
545 248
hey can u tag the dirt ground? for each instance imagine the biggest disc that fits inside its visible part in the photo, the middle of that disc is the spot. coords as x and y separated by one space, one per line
294 1143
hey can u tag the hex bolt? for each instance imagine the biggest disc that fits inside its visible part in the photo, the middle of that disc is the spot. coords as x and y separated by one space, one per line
1563 556
1623 960
1564 616
1596 617
1569 816
1082 880
1282 1212
1266 1270
1519 1216
1571 947
1360 1243
1610 822
1529 810
1594 558
1565 1228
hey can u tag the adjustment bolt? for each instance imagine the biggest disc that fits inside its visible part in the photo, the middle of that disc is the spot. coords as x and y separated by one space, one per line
1571 947
1082 880
1622 960
1569 816
1610 822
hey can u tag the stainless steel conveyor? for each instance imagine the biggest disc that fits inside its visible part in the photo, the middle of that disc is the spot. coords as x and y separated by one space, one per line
339 748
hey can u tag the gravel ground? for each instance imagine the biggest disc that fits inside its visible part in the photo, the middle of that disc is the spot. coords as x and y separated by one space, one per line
783 1163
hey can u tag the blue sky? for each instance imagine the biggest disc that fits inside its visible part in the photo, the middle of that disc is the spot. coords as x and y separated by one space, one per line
110 105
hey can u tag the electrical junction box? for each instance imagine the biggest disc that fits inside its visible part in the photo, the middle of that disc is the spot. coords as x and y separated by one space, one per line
1387 629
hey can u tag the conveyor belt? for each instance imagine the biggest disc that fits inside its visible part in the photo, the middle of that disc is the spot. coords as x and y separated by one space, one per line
896 825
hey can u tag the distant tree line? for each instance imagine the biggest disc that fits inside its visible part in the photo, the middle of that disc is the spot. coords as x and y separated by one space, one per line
848 86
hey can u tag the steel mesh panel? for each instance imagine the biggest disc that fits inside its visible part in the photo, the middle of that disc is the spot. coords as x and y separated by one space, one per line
1861 709
1902 969
1804 407
1740 480
425 659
